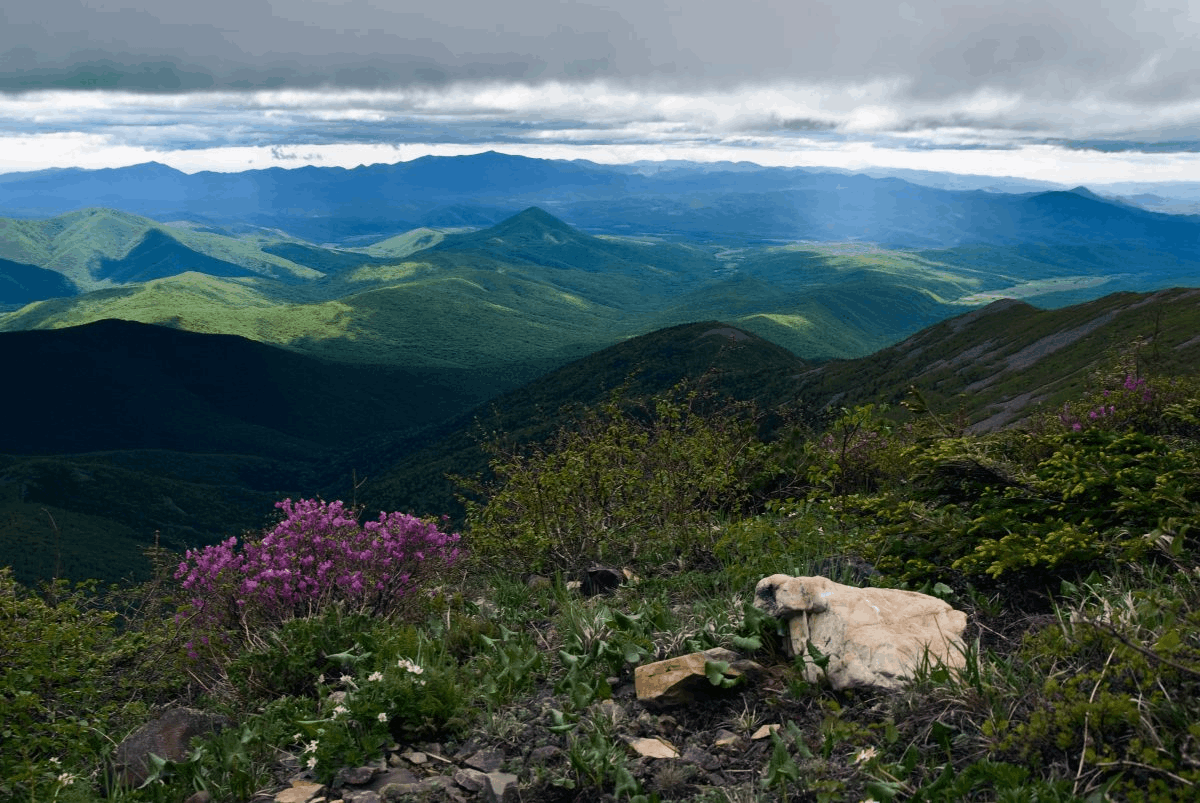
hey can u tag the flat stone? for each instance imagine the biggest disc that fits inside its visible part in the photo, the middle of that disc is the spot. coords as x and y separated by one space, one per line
652 747
300 792
486 760
395 775
360 796
354 776
764 732
414 757
501 787
701 758
471 780
725 738
681 680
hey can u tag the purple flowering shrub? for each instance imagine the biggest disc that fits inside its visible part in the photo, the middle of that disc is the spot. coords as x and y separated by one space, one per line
318 556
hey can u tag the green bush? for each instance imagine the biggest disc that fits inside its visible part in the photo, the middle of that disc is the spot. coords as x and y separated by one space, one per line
70 685
624 486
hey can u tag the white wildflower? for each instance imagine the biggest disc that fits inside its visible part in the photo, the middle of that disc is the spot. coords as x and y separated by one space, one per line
375 676
66 778
311 747
320 678
340 710
409 666
312 762
382 717
866 754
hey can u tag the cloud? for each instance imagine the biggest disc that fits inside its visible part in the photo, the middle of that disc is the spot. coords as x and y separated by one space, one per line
309 77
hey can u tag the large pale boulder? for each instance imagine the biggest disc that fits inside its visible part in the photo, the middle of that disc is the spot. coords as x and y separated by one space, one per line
872 636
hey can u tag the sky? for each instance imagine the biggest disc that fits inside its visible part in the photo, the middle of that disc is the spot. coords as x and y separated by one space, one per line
1072 91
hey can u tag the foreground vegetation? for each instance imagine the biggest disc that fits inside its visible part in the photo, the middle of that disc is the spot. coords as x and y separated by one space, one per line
1070 544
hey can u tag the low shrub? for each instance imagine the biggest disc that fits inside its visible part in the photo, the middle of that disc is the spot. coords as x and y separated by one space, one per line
318 556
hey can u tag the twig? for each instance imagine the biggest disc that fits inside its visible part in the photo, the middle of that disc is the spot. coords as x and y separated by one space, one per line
1139 648
1142 766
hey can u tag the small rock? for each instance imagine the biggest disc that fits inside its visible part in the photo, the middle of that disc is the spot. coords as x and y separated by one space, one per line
652 748
701 758
471 780
676 681
396 775
199 797
300 792
725 738
360 796
354 776
764 732
395 791
541 755
501 787
415 757
611 711
537 582
486 760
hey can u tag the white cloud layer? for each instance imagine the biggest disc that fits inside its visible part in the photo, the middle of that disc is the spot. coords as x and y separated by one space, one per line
1068 87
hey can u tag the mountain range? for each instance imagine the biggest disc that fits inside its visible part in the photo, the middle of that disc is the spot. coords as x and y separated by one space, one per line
217 341
724 201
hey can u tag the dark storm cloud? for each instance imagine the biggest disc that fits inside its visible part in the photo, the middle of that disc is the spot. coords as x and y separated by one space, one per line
1113 77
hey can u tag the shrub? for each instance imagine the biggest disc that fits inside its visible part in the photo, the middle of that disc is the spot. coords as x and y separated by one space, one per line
316 557
622 486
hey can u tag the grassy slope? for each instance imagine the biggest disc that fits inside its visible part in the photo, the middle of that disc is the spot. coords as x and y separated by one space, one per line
87 244
998 361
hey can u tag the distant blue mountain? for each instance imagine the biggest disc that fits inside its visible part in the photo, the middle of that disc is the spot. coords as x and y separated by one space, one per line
683 200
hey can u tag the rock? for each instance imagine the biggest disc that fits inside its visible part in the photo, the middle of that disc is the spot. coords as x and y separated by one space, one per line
415 757
167 737
540 755
501 787
651 748
199 797
396 775
725 738
354 776
764 732
300 792
360 796
538 582
701 758
486 760
471 780
874 637
676 681
600 580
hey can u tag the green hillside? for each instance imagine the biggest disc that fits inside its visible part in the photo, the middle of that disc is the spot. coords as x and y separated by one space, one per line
997 363
96 248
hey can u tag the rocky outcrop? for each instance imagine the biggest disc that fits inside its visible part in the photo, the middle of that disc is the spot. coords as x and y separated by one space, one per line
875 637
